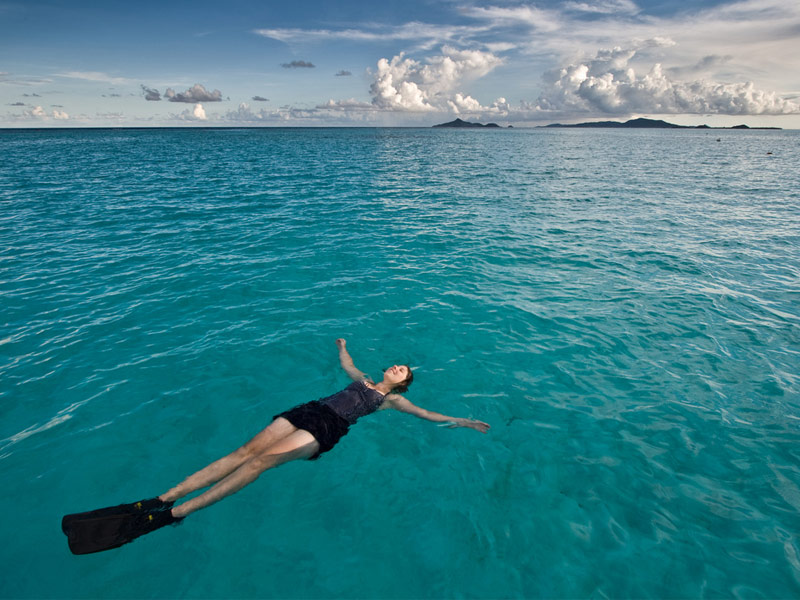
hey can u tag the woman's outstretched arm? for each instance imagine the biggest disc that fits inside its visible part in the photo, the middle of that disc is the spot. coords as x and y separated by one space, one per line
398 402
347 362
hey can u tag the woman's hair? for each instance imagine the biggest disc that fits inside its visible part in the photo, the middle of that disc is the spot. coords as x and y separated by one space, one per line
402 387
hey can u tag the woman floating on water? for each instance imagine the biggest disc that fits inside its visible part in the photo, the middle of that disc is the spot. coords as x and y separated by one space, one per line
305 431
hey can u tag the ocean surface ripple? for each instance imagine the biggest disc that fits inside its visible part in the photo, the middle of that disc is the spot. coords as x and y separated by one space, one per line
623 307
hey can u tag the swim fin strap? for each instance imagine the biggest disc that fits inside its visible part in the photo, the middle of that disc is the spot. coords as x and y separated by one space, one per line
102 529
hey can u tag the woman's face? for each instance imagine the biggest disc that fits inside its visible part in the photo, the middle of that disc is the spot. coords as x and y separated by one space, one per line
396 374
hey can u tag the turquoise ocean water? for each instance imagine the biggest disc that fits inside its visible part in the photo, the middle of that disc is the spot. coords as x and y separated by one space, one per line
623 307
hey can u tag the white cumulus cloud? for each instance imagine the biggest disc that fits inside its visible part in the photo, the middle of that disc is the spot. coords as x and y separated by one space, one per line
460 104
608 84
404 85
40 114
408 85
196 113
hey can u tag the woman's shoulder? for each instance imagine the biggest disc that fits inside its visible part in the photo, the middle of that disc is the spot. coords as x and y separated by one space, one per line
397 402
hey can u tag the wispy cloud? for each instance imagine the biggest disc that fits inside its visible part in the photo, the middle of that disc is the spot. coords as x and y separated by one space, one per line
348 105
604 7
285 114
307 35
11 79
428 35
298 64
96 76
111 116
546 20
343 73
260 99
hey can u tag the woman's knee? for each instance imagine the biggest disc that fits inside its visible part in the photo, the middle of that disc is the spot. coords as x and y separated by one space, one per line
261 462
243 454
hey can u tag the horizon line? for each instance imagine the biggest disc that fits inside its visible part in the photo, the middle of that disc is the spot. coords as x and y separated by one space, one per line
501 128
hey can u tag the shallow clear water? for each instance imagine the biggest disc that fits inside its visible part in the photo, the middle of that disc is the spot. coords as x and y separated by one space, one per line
623 307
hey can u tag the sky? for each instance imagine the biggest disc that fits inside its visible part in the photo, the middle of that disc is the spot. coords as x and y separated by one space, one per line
95 63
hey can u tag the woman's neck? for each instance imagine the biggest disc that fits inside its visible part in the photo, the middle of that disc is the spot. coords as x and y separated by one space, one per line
382 387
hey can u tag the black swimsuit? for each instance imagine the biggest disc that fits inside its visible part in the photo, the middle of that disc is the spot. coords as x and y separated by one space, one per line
330 418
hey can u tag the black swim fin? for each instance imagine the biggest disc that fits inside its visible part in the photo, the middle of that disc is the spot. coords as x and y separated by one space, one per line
140 507
104 530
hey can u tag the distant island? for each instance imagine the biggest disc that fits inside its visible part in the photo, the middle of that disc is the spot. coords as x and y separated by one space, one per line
632 124
460 123
650 124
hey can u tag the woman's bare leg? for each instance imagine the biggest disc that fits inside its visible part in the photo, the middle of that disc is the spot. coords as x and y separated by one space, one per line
300 444
279 429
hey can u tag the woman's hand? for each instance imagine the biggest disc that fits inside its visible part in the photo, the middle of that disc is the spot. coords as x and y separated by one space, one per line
472 424
341 343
